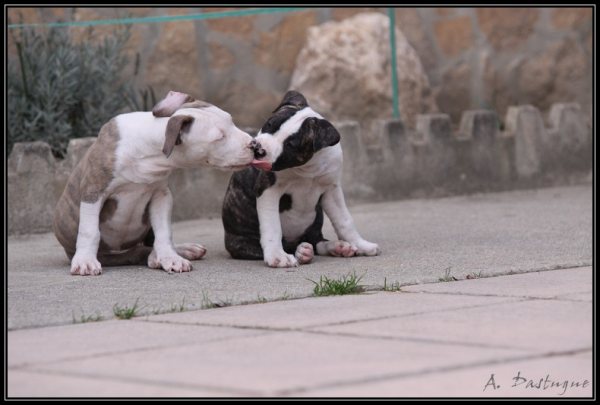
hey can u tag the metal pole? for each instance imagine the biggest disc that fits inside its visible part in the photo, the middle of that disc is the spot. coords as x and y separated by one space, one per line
392 15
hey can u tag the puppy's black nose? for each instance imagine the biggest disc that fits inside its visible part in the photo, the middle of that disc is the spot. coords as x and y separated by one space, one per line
259 152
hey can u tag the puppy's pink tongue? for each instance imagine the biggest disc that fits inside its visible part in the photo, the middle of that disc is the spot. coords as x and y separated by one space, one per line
261 164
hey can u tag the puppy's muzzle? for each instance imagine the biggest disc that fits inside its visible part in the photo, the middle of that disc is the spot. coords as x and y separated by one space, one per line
259 153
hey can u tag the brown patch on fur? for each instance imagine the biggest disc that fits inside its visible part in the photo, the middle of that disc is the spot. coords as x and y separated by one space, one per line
190 102
101 157
168 111
87 182
175 126
196 104
108 209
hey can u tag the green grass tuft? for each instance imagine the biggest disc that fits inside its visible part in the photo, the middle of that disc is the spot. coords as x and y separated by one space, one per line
474 275
447 276
207 303
126 312
346 284
394 287
87 318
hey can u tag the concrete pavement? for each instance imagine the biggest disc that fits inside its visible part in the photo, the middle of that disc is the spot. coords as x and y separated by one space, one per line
524 335
422 241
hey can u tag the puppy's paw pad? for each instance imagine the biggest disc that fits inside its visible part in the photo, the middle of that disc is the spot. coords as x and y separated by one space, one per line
170 264
85 266
368 249
304 253
191 251
341 248
281 260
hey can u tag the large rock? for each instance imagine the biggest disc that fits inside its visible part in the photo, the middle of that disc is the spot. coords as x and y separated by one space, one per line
344 70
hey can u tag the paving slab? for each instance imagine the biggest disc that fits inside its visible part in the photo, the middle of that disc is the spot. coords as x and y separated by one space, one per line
511 379
276 362
36 384
582 296
48 345
531 325
332 310
552 284
493 233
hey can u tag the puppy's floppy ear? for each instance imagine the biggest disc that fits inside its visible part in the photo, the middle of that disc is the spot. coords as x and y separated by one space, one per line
171 103
325 135
175 127
293 99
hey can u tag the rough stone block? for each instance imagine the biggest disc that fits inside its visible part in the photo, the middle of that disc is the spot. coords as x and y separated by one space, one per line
28 157
396 174
435 128
488 160
30 197
355 160
525 124
351 141
569 145
435 155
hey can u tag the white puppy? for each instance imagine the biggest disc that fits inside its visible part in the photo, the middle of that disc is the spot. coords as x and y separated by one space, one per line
116 207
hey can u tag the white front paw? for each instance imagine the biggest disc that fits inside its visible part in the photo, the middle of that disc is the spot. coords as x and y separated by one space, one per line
85 265
304 253
367 248
171 263
341 248
280 259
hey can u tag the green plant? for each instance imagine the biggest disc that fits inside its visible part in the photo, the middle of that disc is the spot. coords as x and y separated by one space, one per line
87 318
126 312
178 307
346 284
59 88
207 303
394 287
474 275
260 299
447 276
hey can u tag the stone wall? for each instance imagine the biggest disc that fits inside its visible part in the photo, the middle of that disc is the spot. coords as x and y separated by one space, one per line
474 57
431 160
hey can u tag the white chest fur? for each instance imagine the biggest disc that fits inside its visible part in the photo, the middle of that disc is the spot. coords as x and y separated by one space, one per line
306 184
301 215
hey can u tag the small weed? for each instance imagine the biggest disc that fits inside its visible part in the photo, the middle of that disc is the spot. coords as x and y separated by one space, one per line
207 303
126 312
87 318
447 276
474 275
394 287
178 307
260 299
346 284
